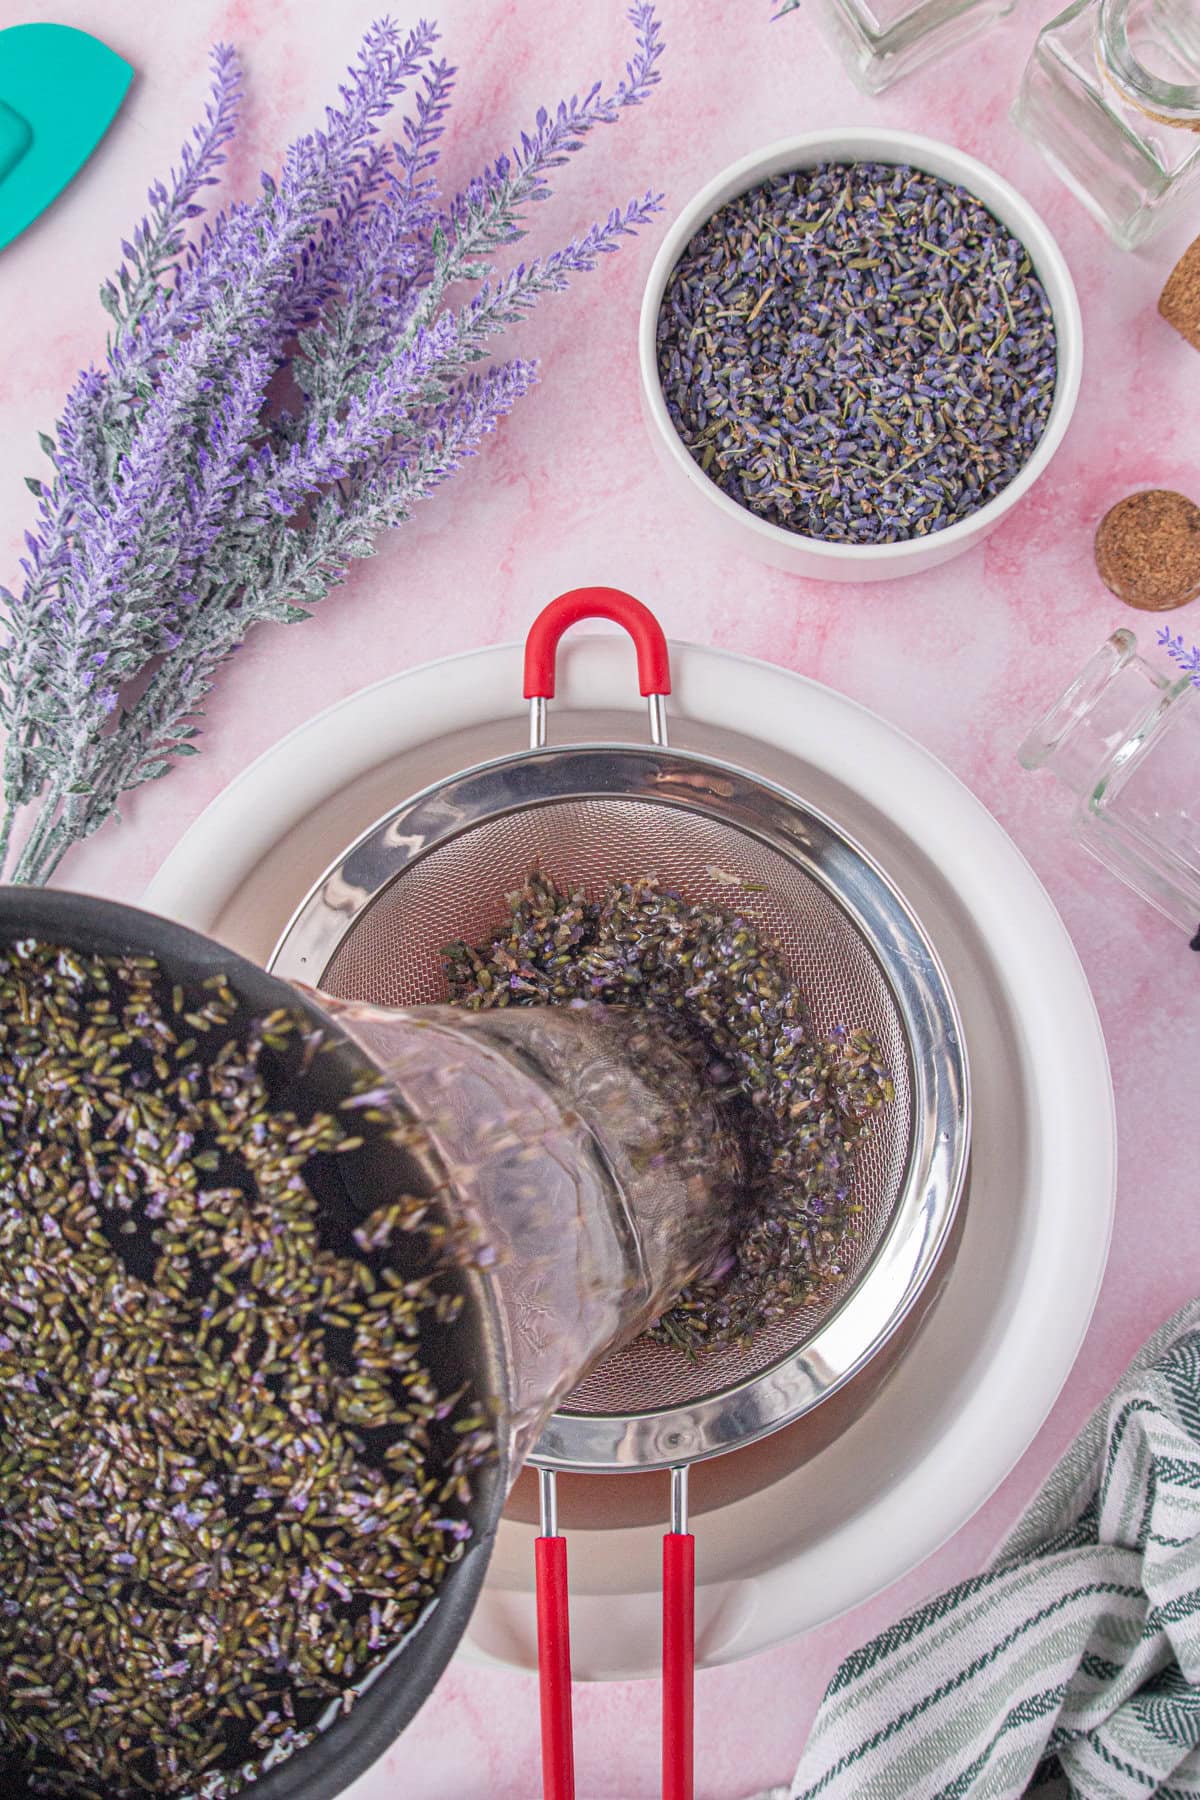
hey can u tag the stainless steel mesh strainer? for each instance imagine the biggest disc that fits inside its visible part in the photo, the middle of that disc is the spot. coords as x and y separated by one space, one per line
439 866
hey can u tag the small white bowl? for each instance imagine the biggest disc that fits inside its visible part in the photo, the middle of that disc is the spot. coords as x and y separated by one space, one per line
813 556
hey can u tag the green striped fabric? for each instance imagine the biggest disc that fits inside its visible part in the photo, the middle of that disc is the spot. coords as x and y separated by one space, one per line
1072 1667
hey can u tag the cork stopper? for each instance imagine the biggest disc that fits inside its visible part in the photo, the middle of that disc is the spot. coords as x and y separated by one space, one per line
1148 550
1179 302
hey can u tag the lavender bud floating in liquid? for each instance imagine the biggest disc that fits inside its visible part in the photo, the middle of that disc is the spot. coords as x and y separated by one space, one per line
857 352
721 993
229 1485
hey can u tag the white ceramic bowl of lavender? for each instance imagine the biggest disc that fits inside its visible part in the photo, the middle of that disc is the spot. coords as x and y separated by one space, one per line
861 562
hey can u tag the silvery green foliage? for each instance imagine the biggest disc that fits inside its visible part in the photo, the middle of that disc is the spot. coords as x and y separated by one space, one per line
187 505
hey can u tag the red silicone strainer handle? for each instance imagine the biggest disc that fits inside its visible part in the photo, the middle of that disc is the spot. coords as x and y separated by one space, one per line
554 1669
679 1661
541 646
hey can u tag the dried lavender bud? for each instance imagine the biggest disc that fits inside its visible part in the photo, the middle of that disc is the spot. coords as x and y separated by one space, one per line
722 994
857 352
228 1483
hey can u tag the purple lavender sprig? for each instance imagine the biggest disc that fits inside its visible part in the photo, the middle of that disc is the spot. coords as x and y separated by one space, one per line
1186 655
158 240
487 214
187 504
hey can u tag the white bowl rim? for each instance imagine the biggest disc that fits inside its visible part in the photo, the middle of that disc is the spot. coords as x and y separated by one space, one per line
874 144
1042 990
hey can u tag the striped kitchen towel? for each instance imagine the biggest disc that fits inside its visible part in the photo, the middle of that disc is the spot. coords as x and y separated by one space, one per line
1072 1667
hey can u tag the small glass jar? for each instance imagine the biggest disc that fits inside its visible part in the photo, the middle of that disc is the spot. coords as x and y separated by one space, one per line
881 40
1111 96
1125 739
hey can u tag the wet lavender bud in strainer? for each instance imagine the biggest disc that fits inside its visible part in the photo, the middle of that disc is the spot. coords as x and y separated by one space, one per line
721 993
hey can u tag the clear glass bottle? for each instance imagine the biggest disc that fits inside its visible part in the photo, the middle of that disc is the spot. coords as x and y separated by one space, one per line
581 1162
881 40
1111 96
1125 739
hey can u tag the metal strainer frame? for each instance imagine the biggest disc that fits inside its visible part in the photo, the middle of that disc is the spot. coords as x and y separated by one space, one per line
879 1298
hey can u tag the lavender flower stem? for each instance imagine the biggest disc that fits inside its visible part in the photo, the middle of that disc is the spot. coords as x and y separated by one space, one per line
7 820
53 849
32 863
187 504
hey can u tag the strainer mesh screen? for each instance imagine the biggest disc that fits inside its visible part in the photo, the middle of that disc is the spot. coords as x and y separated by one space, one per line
392 957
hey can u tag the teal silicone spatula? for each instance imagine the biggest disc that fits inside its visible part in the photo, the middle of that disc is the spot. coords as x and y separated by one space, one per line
59 93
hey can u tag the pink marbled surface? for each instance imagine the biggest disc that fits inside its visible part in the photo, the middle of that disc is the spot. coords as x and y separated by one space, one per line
569 492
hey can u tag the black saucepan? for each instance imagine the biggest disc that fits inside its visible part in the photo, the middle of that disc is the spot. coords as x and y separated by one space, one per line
470 1349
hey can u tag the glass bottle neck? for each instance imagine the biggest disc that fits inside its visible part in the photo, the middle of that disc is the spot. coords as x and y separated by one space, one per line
1104 717
1150 51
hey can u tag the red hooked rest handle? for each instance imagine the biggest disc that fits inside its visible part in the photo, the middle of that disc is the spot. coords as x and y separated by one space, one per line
679 1663
654 664
554 1669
